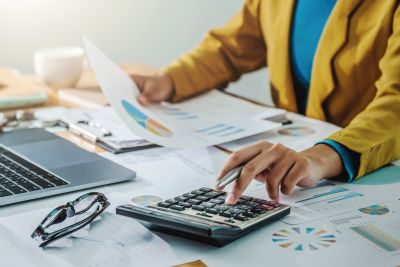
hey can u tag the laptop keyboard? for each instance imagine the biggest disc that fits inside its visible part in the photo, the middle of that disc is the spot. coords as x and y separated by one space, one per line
19 176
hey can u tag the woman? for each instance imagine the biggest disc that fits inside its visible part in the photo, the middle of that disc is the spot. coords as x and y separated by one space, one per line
337 61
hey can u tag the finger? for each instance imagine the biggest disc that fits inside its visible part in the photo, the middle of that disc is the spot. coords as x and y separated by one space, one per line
241 156
278 173
297 173
143 100
139 81
262 176
261 162
149 93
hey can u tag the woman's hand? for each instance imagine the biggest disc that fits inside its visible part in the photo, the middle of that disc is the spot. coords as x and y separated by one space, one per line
281 168
154 88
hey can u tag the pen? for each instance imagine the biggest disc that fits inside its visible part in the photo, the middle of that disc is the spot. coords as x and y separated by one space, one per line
85 134
230 176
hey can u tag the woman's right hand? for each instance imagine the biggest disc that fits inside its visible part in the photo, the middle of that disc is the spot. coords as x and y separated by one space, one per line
154 88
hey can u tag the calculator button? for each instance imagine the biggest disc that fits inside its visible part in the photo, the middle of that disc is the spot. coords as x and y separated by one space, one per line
181 199
276 205
258 210
213 194
252 204
236 211
198 192
260 201
240 201
172 201
221 197
266 207
206 189
177 207
185 204
211 210
197 207
217 201
163 205
202 198
240 217
250 214
226 214
243 207
194 201
208 205
189 195
222 207
247 198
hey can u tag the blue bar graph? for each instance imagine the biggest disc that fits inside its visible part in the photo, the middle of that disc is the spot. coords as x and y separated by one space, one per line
334 190
210 128
346 196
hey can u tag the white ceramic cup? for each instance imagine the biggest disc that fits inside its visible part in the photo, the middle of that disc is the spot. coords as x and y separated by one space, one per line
59 67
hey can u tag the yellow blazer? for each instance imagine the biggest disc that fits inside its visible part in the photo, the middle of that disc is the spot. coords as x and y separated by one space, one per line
355 80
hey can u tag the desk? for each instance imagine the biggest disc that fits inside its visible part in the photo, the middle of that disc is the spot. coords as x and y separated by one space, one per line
252 250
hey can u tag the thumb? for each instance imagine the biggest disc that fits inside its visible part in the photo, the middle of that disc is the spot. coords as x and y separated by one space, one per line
147 95
144 98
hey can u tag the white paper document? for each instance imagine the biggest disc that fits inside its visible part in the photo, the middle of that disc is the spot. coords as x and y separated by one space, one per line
302 134
173 171
209 119
112 241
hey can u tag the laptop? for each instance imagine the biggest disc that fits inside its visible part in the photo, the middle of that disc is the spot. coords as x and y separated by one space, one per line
35 163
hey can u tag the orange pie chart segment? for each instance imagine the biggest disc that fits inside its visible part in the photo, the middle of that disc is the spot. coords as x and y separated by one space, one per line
146 122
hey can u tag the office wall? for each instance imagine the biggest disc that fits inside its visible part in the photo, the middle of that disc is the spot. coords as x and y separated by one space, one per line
153 32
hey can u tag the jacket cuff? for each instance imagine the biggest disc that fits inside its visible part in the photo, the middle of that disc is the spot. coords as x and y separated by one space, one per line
350 159
183 86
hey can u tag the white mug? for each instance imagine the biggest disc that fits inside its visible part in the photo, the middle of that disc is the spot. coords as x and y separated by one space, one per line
59 67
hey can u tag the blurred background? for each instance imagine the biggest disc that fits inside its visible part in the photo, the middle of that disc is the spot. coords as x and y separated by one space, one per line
152 32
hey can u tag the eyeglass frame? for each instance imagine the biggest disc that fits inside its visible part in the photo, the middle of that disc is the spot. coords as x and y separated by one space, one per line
47 238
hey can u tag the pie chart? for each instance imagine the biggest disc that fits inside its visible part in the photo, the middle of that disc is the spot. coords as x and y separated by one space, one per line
146 200
296 131
144 121
375 210
303 238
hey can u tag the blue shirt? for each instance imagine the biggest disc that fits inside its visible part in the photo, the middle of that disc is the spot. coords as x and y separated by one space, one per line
309 19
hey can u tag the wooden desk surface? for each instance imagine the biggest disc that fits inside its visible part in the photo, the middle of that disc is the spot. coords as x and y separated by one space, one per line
12 83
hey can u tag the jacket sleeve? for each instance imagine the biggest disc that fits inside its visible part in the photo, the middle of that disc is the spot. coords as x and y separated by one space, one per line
375 132
223 55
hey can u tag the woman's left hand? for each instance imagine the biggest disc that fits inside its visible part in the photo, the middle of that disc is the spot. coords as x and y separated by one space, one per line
281 168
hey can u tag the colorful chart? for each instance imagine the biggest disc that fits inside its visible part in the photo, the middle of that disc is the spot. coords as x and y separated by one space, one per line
376 236
146 122
303 238
146 200
375 210
296 131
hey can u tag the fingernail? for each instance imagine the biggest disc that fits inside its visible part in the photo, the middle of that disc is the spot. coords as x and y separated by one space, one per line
230 199
142 100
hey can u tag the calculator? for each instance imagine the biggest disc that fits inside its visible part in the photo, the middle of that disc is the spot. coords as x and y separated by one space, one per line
202 215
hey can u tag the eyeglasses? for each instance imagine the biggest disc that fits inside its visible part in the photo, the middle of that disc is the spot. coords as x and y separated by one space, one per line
87 206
